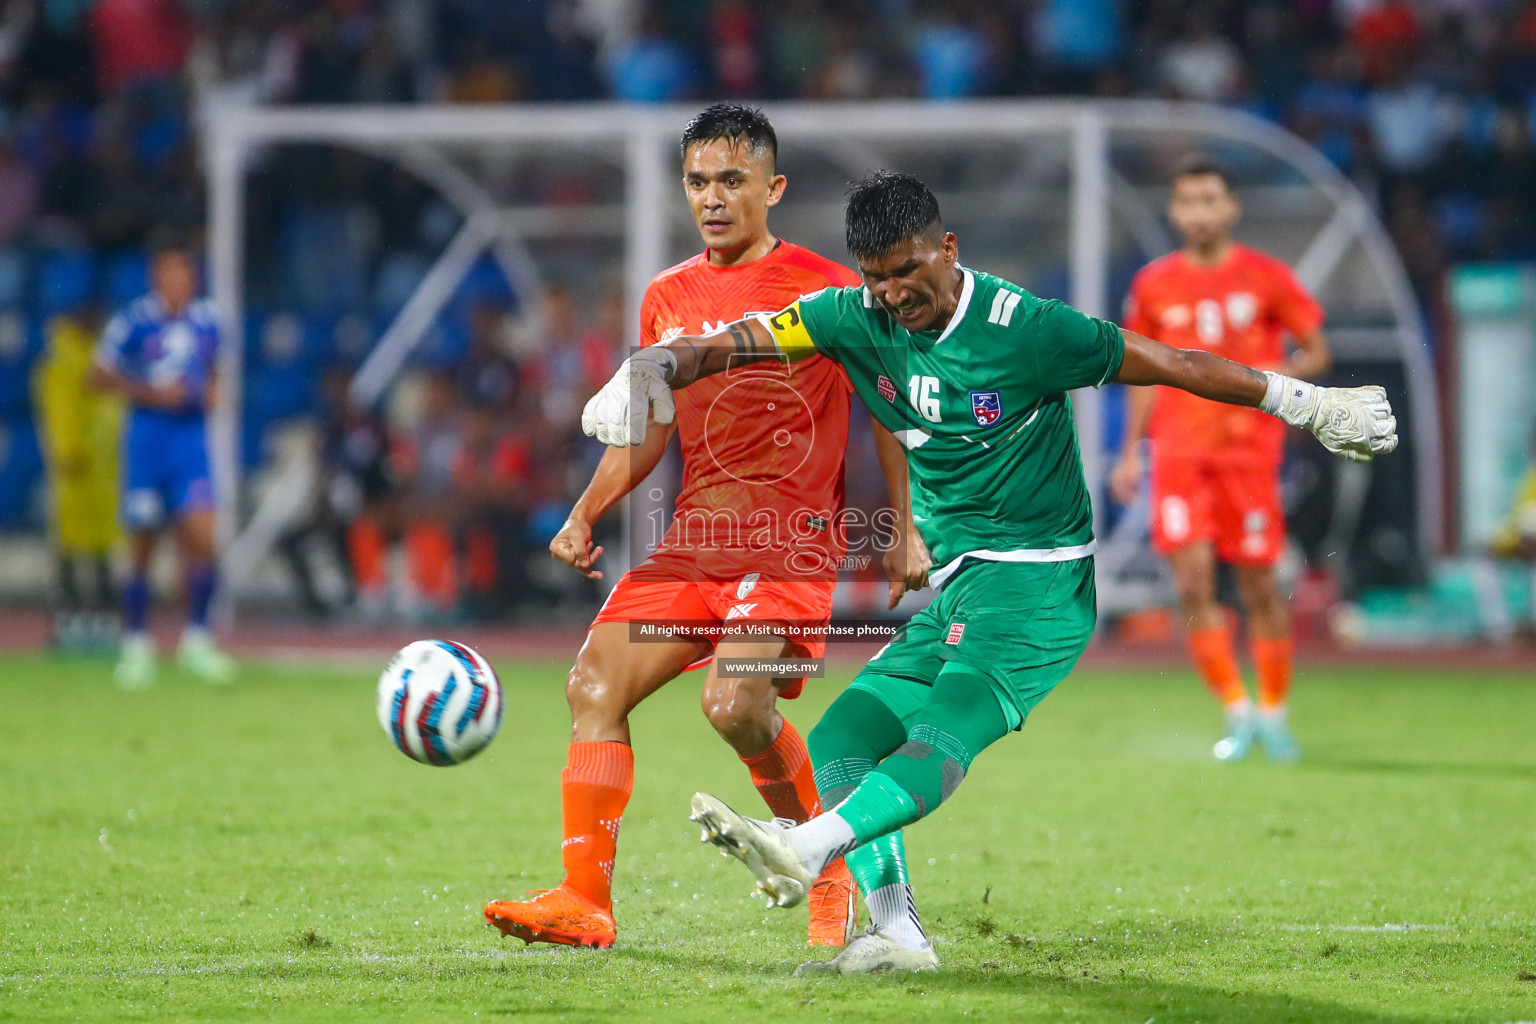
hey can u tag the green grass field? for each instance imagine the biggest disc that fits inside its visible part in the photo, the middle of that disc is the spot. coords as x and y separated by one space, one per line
263 853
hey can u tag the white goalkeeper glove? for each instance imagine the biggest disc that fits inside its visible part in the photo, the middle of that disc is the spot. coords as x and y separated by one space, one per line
1356 423
617 414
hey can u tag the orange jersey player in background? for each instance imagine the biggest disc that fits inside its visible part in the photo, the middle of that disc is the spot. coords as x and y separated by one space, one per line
755 541
1215 469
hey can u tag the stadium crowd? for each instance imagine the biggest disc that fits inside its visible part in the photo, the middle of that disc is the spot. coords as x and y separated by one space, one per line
1430 102
1429 105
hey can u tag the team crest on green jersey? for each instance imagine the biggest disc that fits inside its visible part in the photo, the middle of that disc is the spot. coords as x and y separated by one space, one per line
987 407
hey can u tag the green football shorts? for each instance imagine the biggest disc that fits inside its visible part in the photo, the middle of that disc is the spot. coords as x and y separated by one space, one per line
1021 624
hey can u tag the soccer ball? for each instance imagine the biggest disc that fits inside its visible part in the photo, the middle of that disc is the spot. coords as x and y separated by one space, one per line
440 702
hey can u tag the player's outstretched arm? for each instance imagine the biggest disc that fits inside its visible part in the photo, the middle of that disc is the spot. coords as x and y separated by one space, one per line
616 475
1356 423
642 387
907 559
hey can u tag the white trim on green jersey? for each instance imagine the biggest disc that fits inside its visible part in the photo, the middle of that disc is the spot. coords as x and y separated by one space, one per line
938 577
966 289
981 408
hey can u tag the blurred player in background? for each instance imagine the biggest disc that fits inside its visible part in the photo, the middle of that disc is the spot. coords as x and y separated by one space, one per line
79 428
1514 541
1215 469
159 354
759 448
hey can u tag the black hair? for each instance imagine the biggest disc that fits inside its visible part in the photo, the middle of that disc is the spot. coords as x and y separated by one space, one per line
1198 165
167 239
886 209
736 123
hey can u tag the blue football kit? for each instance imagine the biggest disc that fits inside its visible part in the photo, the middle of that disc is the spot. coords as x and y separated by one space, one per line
165 463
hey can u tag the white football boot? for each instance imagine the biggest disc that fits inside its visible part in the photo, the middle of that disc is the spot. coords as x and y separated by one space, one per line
202 657
763 846
135 667
1275 735
1238 737
872 953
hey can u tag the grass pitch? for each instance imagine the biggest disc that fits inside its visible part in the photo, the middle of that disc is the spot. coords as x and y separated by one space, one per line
263 853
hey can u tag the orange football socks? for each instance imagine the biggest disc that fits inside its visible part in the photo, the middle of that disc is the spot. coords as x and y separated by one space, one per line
594 790
1272 658
1211 649
782 774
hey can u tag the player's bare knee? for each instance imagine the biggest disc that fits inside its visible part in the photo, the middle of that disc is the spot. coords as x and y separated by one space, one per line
1257 587
1196 589
739 711
592 694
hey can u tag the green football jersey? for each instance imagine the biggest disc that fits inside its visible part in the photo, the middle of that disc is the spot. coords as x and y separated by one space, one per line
981 407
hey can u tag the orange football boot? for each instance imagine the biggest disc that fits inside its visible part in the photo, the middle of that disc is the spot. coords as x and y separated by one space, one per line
557 915
834 909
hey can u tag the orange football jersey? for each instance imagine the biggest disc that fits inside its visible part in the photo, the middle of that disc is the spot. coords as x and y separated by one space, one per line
1238 309
763 444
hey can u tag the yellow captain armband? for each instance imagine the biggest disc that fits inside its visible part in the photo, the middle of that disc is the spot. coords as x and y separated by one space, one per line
788 329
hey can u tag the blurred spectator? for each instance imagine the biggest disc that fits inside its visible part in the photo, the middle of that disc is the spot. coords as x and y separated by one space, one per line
850 71
1329 110
493 478
382 76
1385 33
355 508
652 67
735 47
478 77
951 54
1076 39
489 377
139 41
101 143
1201 64
19 193
427 457
558 372
797 46
362 495
1410 120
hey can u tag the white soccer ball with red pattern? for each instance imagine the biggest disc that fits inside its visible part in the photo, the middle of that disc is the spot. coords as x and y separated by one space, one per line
439 702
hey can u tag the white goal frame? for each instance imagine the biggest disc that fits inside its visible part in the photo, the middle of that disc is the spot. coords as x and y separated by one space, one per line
649 134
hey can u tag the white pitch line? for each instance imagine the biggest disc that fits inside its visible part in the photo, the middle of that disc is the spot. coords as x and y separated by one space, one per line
1407 927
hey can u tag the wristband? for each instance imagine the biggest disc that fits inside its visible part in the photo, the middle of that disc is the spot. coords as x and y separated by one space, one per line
1289 399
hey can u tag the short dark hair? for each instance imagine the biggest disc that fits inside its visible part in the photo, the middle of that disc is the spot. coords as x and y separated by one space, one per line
168 239
1198 165
886 209
736 123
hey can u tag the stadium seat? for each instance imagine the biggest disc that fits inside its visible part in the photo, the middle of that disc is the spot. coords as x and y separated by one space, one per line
348 338
445 345
485 282
65 280
127 278
397 279
21 471
13 277
20 343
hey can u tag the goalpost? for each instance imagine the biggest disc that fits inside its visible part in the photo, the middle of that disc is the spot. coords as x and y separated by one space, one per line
1062 196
